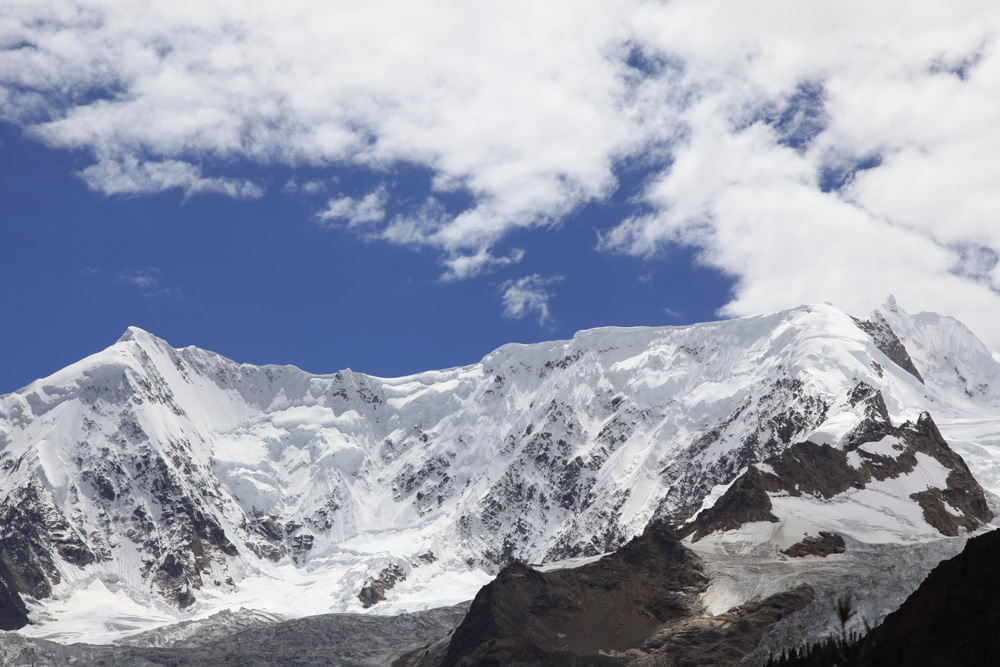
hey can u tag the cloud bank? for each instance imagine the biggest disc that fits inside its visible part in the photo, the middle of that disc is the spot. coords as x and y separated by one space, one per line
813 151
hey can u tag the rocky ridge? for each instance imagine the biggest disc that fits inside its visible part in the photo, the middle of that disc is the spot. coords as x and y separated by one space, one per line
826 472
526 616
639 606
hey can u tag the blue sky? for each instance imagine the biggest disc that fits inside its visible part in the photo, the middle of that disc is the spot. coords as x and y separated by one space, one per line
261 281
394 186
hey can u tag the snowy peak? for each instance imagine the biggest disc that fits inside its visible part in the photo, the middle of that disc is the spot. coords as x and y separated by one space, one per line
945 349
137 334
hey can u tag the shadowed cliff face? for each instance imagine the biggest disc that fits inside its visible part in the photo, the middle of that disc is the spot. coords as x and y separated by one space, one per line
13 612
530 617
952 618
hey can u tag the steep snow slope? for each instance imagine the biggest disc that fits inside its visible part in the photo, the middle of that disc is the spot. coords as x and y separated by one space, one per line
145 479
962 391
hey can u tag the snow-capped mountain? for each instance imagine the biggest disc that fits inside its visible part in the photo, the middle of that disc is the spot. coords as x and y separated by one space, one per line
145 480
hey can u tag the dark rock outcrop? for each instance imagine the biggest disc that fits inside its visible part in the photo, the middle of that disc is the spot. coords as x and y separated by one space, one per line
13 612
822 546
374 589
745 501
962 492
582 615
33 533
824 472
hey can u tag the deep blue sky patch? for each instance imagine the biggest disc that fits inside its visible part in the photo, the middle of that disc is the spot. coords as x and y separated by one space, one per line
259 281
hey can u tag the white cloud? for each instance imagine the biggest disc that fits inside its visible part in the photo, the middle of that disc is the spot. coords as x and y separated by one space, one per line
464 266
354 212
786 100
817 151
527 295
128 175
519 103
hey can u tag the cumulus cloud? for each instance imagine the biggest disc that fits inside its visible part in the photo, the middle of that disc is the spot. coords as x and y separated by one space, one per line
813 151
517 104
833 153
354 212
527 295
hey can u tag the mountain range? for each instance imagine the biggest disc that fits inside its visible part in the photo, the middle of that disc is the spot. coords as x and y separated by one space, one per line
147 485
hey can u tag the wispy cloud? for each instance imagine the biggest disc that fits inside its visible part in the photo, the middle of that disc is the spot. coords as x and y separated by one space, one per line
126 174
462 266
528 295
164 293
309 187
142 278
148 281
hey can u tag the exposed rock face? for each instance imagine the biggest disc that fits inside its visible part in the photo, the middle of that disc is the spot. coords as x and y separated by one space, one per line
779 414
13 613
571 616
888 342
31 529
822 546
745 501
875 424
374 589
823 471
952 618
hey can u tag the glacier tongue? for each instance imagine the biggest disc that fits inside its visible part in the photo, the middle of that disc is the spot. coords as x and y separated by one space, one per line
182 483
